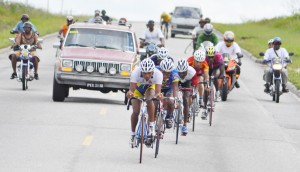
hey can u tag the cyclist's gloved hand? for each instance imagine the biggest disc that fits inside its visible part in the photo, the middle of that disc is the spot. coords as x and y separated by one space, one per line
160 96
129 94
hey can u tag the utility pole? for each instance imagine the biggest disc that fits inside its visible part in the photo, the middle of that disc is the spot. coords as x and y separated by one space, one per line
47 6
62 5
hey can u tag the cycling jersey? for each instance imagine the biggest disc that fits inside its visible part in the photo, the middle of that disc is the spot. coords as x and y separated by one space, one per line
142 84
64 30
174 77
166 18
203 65
211 38
218 61
191 76
156 60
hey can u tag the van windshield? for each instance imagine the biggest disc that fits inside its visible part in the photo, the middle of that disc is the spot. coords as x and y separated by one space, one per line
186 12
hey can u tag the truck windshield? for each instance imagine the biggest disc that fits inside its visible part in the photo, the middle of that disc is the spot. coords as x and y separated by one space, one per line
100 38
186 12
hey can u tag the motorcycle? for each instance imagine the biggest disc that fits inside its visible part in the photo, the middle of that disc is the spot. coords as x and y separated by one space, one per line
276 64
25 69
149 49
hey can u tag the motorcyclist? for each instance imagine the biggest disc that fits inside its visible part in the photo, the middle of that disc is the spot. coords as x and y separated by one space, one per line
151 49
216 68
276 51
19 26
123 21
104 16
28 37
197 61
208 35
165 19
233 49
92 20
198 30
152 34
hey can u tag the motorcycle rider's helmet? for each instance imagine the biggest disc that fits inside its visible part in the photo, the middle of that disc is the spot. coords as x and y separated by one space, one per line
207 20
164 14
69 18
151 49
150 22
210 51
182 65
277 40
228 38
122 21
98 19
103 12
147 65
208 29
270 41
25 17
97 12
163 53
199 55
27 24
167 65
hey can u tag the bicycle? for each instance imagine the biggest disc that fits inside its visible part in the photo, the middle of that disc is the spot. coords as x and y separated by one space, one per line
194 109
210 105
178 111
142 125
164 29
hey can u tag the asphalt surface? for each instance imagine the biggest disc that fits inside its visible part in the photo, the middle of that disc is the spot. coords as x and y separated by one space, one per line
90 131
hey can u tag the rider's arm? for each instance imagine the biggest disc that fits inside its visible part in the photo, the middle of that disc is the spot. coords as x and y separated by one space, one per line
161 37
215 39
33 28
195 80
18 39
39 45
199 41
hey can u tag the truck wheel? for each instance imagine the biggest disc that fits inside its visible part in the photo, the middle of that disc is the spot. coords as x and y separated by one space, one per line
173 35
59 91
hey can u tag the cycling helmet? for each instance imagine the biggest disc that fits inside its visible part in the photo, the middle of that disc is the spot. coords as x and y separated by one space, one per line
210 51
182 65
27 24
97 12
270 41
98 19
147 65
151 49
208 29
167 65
69 18
122 21
162 53
25 17
164 14
277 39
199 55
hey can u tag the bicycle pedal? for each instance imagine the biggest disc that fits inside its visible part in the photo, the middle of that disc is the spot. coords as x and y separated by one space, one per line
183 134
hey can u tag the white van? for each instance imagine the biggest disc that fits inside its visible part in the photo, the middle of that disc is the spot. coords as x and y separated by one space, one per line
184 19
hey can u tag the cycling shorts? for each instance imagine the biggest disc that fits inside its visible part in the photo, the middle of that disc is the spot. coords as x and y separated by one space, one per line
140 92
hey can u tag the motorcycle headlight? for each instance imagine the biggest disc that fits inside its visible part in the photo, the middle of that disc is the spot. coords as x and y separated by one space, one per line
231 68
90 69
79 68
67 63
277 66
102 69
125 67
112 71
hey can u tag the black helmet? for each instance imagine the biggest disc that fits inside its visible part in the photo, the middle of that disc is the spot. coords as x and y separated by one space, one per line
103 12
150 22
27 24
25 16
207 20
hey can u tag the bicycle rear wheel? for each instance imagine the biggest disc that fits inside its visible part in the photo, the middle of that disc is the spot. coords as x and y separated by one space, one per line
194 108
211 101
142 138
177 123
159 126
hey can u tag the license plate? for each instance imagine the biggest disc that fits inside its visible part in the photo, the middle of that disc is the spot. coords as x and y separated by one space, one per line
94 85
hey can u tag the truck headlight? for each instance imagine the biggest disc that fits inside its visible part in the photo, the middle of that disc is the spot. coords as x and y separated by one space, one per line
90 69
79 68
67 63
112 71
102 69
125 67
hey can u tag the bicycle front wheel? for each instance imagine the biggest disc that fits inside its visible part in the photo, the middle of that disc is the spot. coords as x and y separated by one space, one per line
177 122
142 138
211 101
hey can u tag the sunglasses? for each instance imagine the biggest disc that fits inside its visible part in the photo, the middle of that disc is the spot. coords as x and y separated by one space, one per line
210 57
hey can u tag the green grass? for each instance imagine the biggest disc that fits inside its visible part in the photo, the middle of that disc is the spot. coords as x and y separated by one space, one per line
253 36
45 23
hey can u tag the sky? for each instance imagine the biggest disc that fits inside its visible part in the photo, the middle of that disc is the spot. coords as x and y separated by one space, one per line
221 11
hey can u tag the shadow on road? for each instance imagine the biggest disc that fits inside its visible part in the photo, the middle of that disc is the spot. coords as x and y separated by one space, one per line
93 100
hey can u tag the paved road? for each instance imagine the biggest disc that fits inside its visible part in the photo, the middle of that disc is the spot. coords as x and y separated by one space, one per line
90 130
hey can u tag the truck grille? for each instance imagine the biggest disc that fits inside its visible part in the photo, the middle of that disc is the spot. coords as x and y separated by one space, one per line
185 27
97 65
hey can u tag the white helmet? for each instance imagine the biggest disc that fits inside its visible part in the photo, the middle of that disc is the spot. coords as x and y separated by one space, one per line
270 41
167 65
182 65
147 65
199 55
163 53
208 29
69 18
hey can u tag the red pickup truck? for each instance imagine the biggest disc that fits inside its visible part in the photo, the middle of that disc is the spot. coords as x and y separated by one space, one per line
95 57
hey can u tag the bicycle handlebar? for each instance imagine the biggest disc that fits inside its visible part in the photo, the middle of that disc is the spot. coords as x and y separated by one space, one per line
140 99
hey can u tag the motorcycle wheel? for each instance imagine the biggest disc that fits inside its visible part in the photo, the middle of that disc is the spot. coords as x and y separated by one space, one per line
277 91
224 92
24 80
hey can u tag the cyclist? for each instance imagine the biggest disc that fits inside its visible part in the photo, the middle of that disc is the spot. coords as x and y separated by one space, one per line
145 80
200 65
169 87
152 34
282 53
165 19
208 35
232 48
63 30
270 43
188 78
92 20
198 30
216 68
19 26
162 53
28 37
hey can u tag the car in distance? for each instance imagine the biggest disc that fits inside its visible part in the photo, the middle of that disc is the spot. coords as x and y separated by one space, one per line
94 57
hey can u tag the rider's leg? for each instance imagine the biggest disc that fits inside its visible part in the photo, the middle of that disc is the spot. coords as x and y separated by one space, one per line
200 90
136 105
237 75
13 59
216 74
268 78
185 97
150 105
284 75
